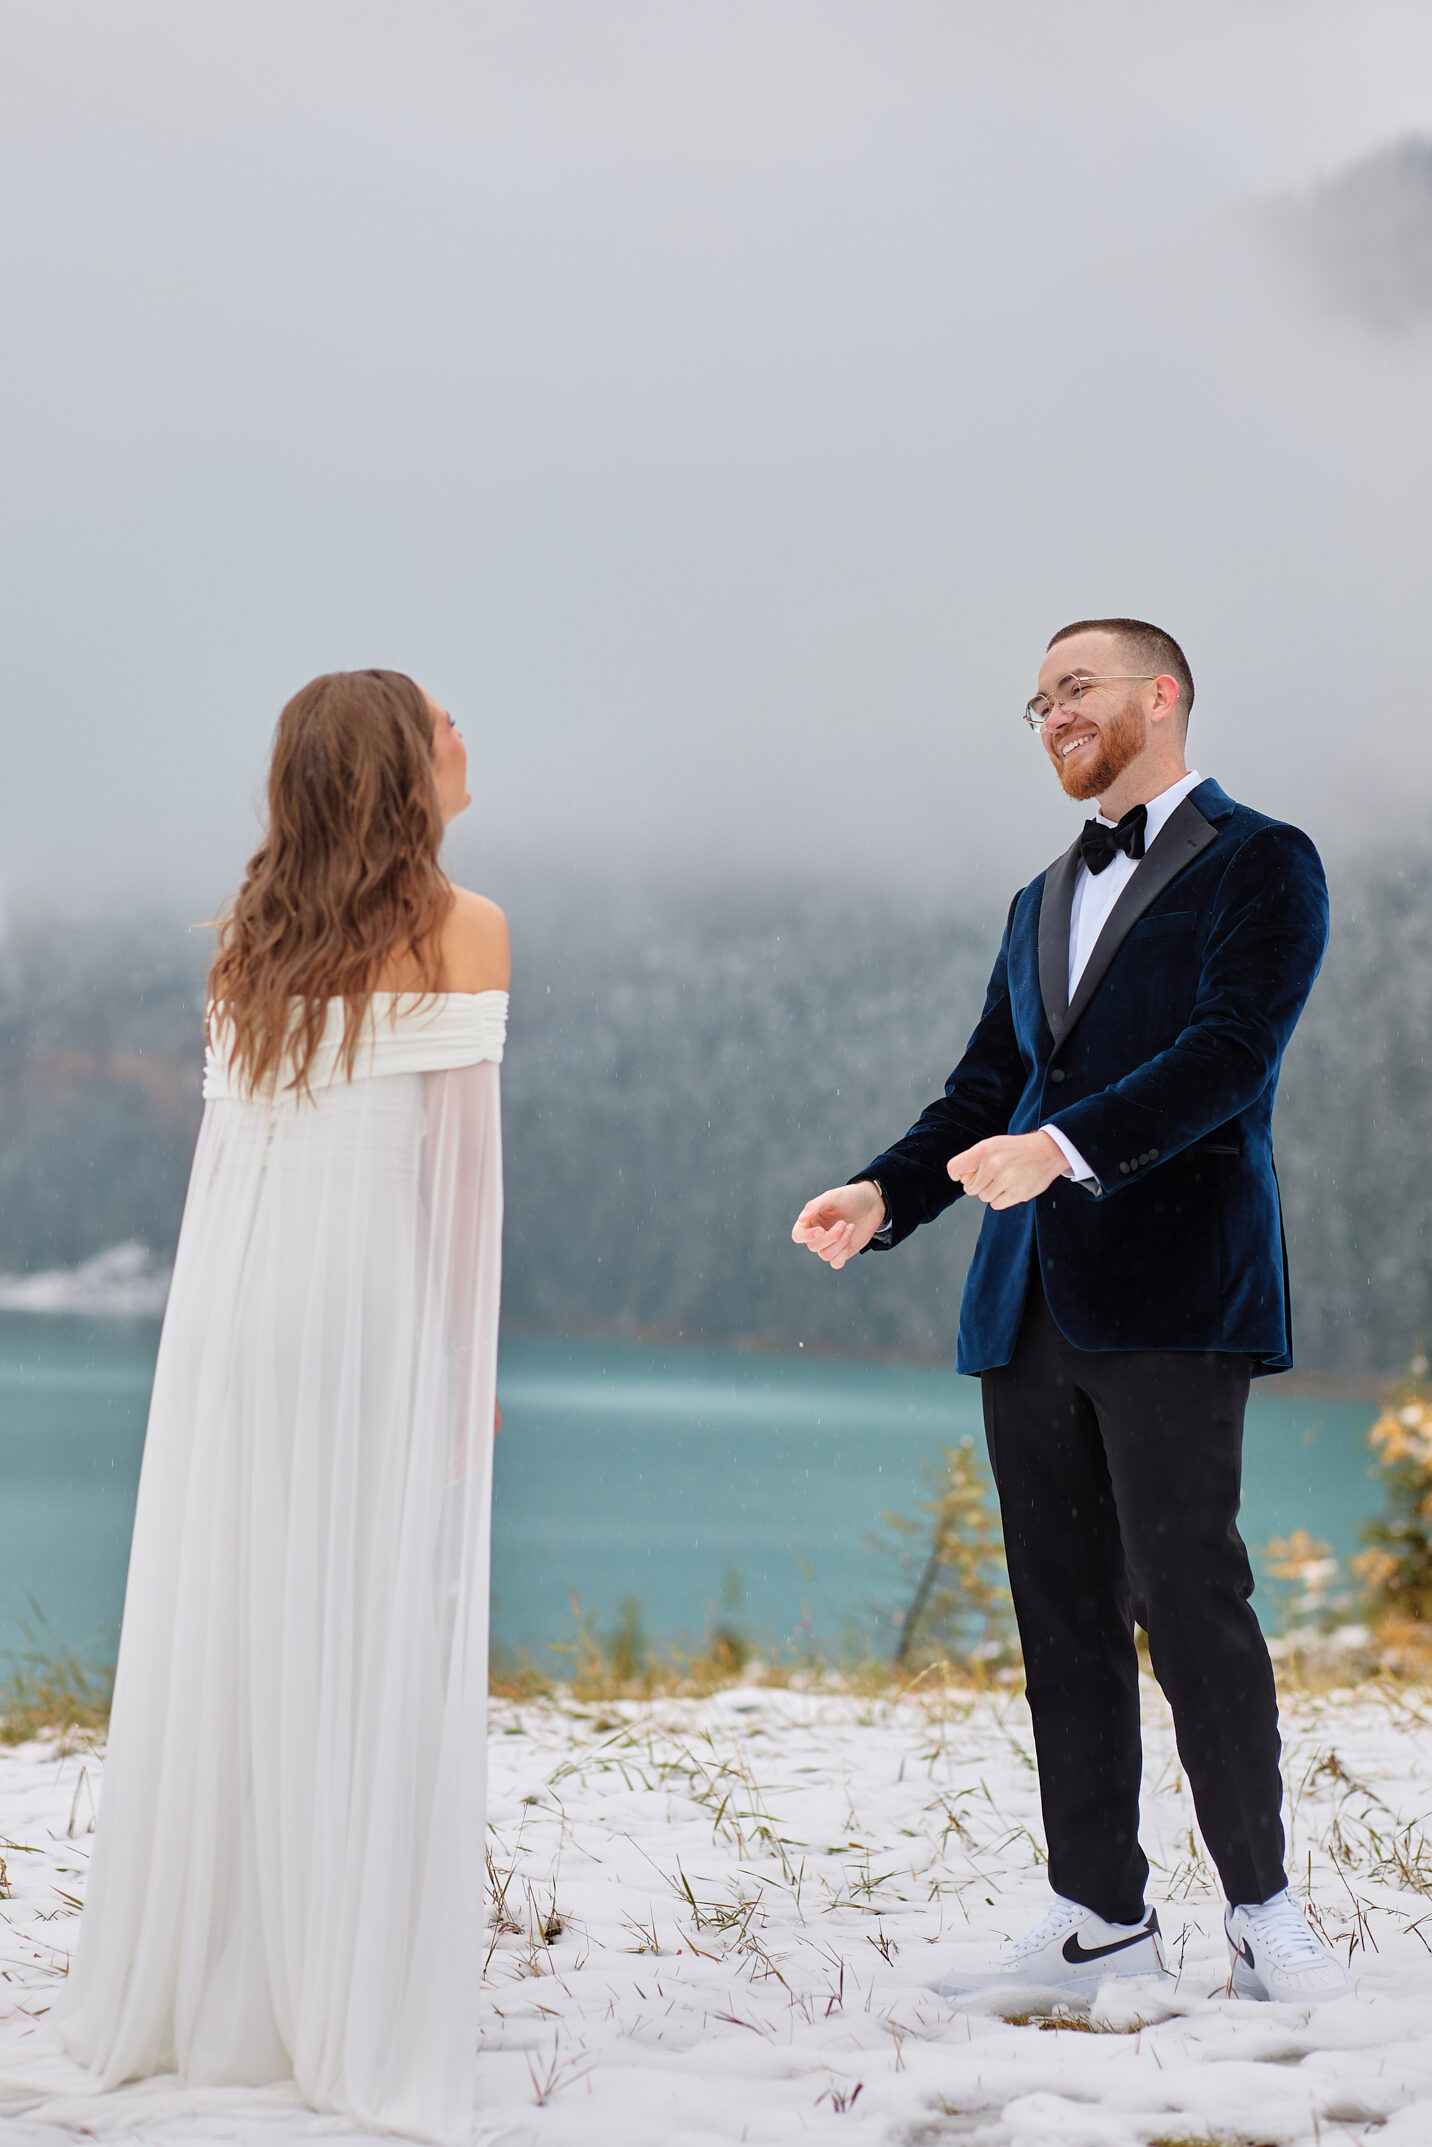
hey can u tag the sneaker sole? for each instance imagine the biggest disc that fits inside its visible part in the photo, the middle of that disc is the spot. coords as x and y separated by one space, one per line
1026 1987
1082 1985
1246 1984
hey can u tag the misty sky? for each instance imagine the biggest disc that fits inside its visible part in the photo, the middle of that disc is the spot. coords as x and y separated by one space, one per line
717 403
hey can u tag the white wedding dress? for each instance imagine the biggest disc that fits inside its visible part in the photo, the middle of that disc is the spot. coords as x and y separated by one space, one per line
288 1874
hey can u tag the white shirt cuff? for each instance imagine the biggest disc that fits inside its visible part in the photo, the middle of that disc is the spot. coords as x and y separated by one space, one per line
1079 1170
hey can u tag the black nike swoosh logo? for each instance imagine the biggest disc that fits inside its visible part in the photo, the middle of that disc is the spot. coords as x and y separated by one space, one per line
1245 1953
1076 1954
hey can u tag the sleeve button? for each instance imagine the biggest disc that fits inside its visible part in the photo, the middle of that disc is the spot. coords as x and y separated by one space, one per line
1123 1170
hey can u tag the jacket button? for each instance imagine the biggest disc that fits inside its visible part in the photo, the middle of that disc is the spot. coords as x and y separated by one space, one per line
1056 1073
1124 1170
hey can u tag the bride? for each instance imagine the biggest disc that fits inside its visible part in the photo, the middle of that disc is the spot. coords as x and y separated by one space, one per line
287 1881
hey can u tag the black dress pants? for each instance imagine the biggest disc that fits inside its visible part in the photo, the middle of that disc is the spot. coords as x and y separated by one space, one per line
1119 1477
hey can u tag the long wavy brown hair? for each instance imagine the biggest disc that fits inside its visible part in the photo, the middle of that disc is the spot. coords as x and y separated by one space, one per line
345 880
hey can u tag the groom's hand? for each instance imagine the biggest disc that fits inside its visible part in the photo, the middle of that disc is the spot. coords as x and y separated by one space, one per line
840 1223
1012 1168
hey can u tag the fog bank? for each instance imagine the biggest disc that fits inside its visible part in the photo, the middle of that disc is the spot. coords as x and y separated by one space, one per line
717 406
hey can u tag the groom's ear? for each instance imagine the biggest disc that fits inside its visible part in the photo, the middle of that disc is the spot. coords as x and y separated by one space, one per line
1162 698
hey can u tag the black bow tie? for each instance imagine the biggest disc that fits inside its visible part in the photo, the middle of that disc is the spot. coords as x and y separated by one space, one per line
1098 843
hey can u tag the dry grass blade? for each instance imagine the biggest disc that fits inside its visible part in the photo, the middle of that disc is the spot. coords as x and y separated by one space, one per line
550 2077
1210 2139
841 2099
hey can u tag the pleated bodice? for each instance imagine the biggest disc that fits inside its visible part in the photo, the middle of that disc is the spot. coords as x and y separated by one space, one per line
403 1033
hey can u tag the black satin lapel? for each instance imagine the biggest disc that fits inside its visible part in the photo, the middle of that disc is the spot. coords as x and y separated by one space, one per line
1055 904
1178 842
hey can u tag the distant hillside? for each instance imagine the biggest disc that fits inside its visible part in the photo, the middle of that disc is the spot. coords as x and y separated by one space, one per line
684 1071
99 1086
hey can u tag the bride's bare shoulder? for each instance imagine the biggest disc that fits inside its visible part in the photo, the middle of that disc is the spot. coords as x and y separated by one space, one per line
475 953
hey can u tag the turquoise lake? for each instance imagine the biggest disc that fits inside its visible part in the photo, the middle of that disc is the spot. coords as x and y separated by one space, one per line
705 1484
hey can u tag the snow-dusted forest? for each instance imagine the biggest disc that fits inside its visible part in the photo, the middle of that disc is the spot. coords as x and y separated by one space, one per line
685 1068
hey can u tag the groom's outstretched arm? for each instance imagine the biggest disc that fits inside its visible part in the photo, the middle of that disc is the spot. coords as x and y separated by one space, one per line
914 1183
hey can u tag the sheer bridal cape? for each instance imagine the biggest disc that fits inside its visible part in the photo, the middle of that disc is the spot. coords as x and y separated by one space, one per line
288 1875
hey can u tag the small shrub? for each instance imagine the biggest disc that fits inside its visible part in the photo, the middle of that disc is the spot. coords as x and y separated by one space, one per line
1305 1578
959 1610
52 1689
1396 1568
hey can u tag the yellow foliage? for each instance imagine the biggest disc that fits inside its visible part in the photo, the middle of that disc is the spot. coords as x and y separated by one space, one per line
1374 1569
1396 1569
1301 1557
1404 1433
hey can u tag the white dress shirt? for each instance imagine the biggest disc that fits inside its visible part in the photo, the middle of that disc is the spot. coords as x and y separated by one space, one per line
1095 894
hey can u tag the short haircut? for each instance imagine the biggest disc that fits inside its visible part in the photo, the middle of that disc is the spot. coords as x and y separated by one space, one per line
1144 644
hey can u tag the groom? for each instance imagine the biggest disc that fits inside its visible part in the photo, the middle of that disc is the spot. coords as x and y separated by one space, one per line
1113 1111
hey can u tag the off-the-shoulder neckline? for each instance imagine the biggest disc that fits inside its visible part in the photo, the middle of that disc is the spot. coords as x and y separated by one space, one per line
490 991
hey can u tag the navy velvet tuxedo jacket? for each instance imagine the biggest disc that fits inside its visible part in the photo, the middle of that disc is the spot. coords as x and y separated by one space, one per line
1162 1072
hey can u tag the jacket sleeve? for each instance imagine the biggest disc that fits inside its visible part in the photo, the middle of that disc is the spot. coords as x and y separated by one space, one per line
1267 936
979 1100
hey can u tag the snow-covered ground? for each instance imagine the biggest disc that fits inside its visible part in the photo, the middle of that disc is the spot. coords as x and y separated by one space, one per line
720 1920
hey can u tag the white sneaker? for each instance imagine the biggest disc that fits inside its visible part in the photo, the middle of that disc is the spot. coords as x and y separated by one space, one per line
1278 1956
1072 1949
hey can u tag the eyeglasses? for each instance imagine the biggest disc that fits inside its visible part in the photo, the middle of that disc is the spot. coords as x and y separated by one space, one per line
1071 690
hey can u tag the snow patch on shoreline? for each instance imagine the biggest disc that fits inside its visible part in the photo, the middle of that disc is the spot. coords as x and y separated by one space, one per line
124 1282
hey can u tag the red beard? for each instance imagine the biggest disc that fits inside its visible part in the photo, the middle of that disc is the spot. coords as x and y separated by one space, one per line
1120 741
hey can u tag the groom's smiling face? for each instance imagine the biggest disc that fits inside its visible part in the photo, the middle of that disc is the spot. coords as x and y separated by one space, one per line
1091 745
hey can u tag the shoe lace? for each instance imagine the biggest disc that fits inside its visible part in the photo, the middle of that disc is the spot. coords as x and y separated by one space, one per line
1286 1932
1062 1917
